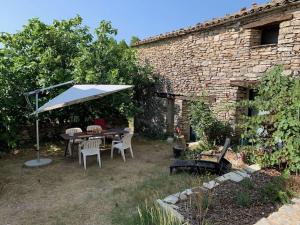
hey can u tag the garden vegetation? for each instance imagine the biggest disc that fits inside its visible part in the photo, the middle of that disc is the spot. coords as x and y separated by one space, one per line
42 55
273 134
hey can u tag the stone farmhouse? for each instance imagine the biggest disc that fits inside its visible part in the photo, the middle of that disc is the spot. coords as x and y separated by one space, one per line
223 58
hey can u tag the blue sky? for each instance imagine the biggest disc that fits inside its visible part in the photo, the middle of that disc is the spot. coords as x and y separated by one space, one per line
142 18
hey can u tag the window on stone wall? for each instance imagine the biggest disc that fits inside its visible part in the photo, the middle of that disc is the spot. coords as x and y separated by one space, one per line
252 94
265 35
269 34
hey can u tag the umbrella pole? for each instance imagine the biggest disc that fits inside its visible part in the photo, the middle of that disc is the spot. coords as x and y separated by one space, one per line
38 161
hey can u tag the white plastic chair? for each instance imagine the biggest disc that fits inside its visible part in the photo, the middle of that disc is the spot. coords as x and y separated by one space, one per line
122 145
96 129
71 132
128 129
88 148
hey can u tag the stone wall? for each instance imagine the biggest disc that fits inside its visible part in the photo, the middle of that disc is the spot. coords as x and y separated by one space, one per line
208 61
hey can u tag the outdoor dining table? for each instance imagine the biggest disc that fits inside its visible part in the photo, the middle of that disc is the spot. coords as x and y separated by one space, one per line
110 133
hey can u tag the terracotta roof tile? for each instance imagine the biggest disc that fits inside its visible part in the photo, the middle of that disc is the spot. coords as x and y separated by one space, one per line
217 21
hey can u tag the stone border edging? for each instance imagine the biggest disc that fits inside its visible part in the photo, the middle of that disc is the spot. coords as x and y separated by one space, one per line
169 203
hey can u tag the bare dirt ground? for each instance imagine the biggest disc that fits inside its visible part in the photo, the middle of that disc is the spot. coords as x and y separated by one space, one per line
64 193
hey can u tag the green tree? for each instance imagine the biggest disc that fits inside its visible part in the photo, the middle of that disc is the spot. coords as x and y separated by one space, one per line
134 40
41 55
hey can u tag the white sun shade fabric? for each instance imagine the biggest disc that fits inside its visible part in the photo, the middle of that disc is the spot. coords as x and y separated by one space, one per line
81 93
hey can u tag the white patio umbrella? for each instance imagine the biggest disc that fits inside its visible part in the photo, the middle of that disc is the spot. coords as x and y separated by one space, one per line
81 93
74 95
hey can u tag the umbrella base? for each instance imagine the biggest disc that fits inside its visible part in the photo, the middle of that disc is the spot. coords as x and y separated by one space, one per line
37 163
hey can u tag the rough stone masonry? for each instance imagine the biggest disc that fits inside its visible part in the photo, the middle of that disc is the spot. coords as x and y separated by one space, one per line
222 59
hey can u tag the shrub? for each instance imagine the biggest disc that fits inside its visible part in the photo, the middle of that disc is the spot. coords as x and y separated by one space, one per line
243 199
277 191
206 125
247 183
200 203
275 134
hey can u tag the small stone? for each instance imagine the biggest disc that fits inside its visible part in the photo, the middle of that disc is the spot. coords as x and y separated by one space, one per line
244 175
183 197
171 199
253 168
177 194
210 184
221 179
234 177
189 192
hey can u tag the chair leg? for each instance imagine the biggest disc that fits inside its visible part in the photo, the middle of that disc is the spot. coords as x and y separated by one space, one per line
131 152
79 157
99 159
69 148
123 154
84 161
112 152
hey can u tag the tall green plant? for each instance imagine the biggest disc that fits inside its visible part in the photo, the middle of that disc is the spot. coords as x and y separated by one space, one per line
206 125
275 131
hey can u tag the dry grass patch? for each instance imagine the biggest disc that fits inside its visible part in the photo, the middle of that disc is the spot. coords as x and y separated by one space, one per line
63 193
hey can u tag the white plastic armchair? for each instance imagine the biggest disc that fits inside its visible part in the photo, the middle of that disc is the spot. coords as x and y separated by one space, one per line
122 145
127 130
89 148
71 132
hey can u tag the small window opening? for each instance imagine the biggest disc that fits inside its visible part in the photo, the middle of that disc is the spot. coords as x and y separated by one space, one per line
252 94
269 34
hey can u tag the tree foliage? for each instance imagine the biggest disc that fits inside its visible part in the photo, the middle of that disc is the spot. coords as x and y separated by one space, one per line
275 131
41 55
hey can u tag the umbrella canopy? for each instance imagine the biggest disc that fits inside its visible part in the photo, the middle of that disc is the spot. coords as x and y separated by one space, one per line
81 93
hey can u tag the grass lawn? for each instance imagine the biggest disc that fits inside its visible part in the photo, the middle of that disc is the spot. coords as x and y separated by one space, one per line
64 193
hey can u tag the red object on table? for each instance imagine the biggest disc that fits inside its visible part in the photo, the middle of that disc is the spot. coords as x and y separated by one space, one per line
102 123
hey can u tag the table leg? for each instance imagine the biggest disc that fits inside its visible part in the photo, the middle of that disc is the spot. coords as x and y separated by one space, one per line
66 150
73 150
